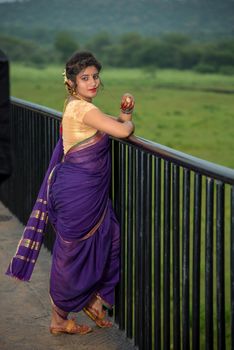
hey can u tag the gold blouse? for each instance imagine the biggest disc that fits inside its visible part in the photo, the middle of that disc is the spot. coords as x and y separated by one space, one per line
74 130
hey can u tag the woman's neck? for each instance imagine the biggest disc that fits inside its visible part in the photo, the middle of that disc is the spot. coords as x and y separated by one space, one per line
78 97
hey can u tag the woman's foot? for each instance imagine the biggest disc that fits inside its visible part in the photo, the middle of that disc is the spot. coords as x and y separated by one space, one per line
60 324
71 327
94 310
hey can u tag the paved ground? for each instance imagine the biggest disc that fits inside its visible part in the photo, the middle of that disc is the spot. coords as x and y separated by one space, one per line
25 307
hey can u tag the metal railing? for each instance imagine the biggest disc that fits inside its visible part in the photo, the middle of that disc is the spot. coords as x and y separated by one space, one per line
176 214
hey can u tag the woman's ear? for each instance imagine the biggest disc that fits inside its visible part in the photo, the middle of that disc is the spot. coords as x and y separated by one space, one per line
71 83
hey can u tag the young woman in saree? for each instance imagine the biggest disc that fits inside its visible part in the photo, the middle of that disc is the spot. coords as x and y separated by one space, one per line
75 197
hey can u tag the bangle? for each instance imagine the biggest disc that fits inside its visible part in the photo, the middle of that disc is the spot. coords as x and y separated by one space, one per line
126 111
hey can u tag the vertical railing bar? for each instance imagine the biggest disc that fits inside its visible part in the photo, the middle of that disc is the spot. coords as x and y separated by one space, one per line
44 140
28 157
19 165
138 320
157 255
116 205
209 264
220 266
166 260
148 250
130 200
141 256
24 173
34 159
196 262
48 143
122 189
35 152
112 187
232 265
176 258
185 261
15 137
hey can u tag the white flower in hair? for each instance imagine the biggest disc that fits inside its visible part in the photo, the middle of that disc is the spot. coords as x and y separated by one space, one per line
65 77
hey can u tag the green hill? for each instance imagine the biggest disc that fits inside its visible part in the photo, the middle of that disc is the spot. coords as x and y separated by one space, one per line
41 19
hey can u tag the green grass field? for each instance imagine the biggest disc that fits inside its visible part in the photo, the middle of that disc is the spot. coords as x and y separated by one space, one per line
171 106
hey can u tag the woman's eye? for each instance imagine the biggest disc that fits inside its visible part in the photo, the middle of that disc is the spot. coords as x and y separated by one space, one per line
96 77
84 78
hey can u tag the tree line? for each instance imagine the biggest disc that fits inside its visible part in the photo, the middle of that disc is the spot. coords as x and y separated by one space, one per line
173 50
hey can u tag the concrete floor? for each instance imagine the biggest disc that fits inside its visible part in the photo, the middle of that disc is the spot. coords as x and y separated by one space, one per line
25 307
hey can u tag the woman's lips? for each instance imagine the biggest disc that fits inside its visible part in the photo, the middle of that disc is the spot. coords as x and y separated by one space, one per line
93 90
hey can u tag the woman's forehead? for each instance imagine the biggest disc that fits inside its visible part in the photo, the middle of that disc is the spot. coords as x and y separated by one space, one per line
88 71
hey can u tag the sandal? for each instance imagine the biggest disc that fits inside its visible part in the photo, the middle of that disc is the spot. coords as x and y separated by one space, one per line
97 317
71 328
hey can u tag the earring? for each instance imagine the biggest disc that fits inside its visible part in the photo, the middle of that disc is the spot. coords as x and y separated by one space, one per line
73 90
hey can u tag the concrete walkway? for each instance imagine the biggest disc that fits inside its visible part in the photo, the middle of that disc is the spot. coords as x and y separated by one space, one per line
25 307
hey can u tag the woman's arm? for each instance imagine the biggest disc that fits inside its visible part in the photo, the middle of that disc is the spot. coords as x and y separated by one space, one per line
126 108
102 122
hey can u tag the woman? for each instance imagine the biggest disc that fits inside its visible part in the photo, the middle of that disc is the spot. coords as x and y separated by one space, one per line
85 263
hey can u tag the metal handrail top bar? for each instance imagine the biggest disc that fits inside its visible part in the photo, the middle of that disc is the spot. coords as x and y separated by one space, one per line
37 108
196 164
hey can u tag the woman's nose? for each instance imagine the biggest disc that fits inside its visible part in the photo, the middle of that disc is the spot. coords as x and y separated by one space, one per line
93 82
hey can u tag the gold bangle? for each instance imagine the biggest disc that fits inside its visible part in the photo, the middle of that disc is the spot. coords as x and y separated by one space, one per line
126 111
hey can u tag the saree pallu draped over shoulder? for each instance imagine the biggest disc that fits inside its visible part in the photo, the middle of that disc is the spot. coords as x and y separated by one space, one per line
85 258
23 262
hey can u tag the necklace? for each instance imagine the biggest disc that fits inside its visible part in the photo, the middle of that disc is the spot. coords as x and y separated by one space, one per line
78 97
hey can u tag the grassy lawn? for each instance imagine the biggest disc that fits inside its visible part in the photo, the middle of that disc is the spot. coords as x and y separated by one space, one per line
168 109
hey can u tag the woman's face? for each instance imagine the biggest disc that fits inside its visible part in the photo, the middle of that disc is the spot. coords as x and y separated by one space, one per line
88 82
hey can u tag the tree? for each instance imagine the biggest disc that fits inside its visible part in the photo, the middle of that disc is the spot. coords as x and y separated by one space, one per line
99 43
131 44
65 44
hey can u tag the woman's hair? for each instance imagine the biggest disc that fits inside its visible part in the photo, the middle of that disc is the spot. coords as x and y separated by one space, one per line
76 63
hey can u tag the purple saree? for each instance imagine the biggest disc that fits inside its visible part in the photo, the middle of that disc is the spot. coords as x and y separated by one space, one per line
86 251
85 258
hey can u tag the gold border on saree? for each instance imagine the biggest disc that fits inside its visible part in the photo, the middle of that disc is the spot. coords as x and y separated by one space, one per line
33 228
85 143
28 243
39 215
91 232
21 257
41 200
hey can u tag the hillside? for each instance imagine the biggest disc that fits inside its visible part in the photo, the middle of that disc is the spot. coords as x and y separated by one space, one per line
41 19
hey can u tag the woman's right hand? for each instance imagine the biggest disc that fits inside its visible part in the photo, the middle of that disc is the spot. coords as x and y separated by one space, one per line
126 107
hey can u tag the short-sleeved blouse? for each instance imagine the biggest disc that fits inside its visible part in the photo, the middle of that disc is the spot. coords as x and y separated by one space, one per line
74 129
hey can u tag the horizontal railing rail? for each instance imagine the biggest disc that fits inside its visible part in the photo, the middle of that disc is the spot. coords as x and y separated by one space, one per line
176 214
193 163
